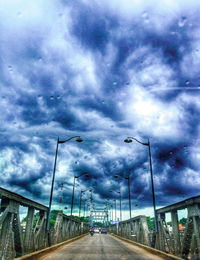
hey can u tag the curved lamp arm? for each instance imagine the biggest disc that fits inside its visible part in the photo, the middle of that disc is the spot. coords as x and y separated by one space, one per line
127 140
78 139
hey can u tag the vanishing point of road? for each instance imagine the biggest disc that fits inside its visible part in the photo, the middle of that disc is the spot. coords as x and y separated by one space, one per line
100 246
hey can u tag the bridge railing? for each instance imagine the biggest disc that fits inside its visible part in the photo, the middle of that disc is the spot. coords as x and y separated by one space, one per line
186 242
17 240
135 229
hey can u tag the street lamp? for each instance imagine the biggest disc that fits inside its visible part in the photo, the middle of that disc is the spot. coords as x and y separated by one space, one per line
129 193
129 140
81 193
115 209
79 140
120 197
84 206
75 177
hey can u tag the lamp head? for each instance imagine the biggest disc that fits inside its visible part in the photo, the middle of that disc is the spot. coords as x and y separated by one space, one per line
110 190
86 175
116 176
90 190
128 140
79 139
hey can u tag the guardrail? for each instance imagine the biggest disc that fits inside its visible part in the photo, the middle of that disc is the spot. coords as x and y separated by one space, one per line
16 240
186 242
183 243
135 229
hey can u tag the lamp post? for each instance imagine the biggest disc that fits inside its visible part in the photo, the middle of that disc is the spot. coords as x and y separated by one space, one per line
111 210
80 202
84 207
129 193
79 140
115 209
75 177
129 140
120 197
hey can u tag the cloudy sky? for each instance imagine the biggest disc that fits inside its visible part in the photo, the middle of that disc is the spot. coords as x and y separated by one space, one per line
103 70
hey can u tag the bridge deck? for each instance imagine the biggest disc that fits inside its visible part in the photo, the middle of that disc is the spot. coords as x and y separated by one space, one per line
100 246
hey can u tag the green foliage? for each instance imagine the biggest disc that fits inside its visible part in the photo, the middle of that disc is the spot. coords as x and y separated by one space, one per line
52 218
183 221
150 223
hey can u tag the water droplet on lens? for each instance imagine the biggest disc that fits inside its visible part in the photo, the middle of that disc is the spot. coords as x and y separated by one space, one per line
182 21
187 82
146 17
39 96
52 97
103 102
114 83
10 68
76 162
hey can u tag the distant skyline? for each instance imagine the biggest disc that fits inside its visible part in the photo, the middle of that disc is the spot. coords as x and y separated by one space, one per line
103 71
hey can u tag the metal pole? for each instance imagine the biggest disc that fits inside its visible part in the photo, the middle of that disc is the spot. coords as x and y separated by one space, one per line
112 212
120 206
120 211
115 210
84 208
80 204
72 205
152 186
52 184
129 195
80 211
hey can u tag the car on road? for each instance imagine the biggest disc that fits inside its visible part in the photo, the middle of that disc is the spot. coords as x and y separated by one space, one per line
96 230
103 231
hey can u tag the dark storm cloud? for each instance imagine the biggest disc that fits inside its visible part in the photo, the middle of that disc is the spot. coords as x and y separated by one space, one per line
97 74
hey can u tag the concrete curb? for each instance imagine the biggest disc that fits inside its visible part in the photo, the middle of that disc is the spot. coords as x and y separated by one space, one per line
150 249
42 252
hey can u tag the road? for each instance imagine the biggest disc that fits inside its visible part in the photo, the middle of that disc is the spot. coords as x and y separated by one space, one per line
100 246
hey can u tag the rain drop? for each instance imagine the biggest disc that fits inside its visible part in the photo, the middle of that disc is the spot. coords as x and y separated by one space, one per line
187 82
182 21
103 102
10 68
52 97
146 17
58 97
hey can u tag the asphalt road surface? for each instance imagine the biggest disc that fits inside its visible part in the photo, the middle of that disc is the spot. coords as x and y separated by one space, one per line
99 246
